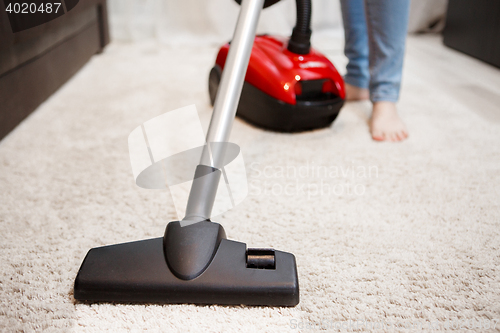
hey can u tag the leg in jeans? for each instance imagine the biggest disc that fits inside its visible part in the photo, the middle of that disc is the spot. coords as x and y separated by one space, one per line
375 40
356 43
387 22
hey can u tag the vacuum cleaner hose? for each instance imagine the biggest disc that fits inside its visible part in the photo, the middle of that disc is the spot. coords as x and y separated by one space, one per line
300 42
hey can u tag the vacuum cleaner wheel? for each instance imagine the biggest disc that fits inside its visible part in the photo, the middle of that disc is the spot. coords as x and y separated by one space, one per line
213 82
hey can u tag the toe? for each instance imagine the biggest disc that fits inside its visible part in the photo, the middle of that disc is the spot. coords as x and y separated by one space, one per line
403 135
377 135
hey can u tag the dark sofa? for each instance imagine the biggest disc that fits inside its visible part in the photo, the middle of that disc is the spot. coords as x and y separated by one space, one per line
35 62
473 27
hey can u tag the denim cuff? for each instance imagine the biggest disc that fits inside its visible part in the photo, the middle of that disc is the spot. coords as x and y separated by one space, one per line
356 81
383 98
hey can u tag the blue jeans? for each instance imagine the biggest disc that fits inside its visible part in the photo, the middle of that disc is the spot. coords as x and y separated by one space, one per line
375 33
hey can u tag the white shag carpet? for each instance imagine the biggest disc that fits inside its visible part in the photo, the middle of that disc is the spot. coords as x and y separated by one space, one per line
394 233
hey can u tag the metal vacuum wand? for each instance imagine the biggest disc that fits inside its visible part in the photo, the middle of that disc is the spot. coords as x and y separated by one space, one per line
195 262
207 176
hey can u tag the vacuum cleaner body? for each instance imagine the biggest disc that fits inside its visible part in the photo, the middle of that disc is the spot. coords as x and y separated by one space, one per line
285 91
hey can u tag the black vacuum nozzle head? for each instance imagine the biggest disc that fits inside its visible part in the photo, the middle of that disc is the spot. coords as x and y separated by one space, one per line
137 272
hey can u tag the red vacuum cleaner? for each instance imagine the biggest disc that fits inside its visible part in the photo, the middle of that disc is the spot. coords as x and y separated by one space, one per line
289 86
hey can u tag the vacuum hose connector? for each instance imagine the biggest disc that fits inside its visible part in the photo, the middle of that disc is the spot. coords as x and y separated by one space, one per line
300 42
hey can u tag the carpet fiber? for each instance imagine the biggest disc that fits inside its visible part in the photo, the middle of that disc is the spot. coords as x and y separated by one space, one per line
391 233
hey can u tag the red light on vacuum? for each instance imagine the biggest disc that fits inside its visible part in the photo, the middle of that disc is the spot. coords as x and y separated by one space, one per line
298 88
327 86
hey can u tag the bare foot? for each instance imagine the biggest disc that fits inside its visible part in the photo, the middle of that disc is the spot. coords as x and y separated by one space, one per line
353 93
385 124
